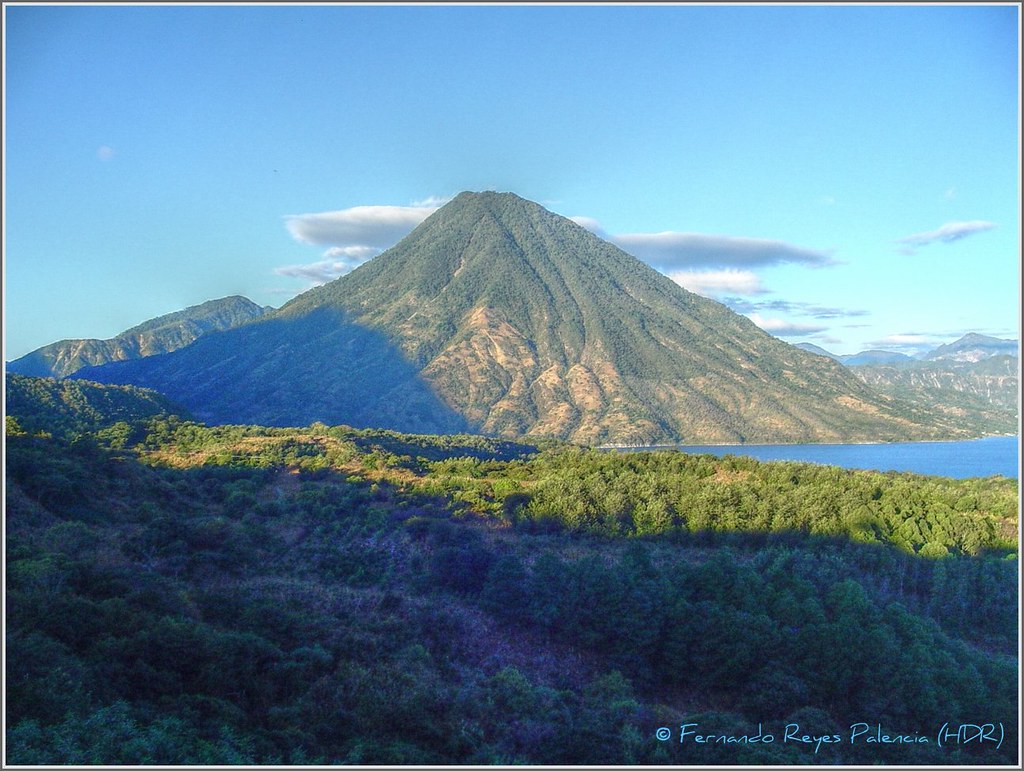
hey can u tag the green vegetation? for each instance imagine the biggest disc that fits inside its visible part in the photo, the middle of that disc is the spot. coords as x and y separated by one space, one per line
182 594
71 409
160 335
497 316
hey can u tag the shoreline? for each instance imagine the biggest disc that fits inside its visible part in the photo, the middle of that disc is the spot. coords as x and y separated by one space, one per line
677 445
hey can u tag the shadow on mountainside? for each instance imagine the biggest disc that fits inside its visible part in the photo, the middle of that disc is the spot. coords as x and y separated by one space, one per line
292 372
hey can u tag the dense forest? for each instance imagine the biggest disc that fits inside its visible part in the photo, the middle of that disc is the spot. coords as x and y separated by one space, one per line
181 594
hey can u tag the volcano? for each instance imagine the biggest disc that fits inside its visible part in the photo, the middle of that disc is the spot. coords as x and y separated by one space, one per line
498 316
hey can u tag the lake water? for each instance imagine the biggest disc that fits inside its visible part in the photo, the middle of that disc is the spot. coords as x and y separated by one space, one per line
975 458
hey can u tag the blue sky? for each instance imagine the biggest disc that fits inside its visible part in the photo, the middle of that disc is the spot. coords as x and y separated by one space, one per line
844 175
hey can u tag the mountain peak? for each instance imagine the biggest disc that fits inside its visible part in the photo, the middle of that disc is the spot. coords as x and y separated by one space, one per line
159 335
973 347
495 243
502 206
490 195
976 338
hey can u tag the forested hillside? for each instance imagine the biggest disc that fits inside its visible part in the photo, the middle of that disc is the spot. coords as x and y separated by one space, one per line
73 408
181 594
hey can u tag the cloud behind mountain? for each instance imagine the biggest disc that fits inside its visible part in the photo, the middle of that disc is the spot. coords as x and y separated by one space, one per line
676 250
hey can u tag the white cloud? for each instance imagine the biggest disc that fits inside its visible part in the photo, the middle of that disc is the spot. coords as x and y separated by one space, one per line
105 152
911 343
316 272
338 260
590 224
354 236
909 340
670 249
784 328
951 231
712 283
432 201
357 255
368 226
740 305
904 339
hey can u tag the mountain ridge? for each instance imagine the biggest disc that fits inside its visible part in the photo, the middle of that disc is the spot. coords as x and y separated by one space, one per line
972 380
973 347
162 334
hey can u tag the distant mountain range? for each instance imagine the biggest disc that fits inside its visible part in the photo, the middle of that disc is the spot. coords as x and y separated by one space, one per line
160 335
498 316
973 380
983 395
970 348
